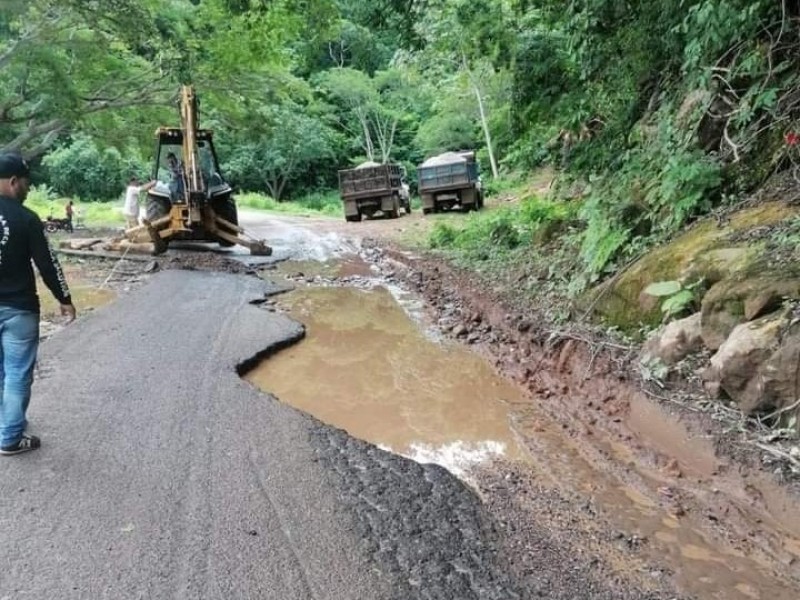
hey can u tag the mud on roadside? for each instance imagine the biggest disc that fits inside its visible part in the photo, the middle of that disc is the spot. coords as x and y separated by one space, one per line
681 466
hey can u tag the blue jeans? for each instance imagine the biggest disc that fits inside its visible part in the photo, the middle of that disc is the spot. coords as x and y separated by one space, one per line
19 342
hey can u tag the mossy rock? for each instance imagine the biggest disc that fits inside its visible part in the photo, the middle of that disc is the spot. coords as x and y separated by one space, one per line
701 253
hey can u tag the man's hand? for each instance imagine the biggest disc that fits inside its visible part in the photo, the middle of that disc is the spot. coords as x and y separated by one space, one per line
68 310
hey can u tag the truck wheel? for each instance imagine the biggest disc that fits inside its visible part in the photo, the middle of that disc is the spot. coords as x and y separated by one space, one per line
226 208
156 207
395 212
408 207
427 211
353 218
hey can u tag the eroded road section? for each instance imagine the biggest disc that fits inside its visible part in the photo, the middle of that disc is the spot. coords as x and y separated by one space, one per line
164 475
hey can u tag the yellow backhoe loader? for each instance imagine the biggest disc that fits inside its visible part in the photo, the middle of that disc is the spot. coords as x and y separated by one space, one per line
191 200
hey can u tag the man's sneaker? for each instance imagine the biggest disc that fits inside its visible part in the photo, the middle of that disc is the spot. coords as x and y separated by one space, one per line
25 444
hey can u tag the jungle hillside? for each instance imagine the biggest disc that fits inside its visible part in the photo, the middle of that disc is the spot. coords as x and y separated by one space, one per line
640 159
651 114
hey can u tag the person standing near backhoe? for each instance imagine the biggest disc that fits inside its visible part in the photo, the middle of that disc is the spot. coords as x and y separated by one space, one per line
22 241
131 206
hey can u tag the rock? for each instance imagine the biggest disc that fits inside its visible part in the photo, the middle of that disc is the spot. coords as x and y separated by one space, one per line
675 341
769 297
721 312
738 365
673 469
702 252
731 302
151 267
779 380
460 330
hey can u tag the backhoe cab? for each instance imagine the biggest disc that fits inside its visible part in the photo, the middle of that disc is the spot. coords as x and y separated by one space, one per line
191 200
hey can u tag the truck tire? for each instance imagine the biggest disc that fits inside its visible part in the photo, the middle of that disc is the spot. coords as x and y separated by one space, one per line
395 212
226 209
156 207
353 218
408 207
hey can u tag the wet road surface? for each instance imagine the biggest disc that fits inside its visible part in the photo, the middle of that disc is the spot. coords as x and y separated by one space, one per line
379 377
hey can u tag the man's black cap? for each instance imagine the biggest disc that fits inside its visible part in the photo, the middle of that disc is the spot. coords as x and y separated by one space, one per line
13 165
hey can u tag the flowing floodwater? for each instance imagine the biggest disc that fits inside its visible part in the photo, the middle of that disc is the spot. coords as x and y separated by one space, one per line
369 366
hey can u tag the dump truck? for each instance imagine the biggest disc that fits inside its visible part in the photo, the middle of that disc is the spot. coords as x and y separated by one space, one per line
372 187
450 180
190 200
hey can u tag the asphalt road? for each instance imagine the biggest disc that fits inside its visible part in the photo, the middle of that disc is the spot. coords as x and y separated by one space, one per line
163 475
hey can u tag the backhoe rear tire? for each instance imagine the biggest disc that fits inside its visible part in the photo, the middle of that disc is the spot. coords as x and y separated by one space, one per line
156 207
226 209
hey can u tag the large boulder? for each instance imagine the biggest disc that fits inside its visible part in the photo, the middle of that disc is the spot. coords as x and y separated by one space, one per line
740 364
705 252
732 302
780 378
675 341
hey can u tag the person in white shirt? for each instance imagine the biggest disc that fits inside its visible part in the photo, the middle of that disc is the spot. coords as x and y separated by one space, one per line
131 207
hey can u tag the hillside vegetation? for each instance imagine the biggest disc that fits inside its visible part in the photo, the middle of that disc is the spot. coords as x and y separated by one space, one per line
652 113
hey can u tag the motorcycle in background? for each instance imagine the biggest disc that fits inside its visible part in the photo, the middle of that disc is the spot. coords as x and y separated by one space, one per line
52 225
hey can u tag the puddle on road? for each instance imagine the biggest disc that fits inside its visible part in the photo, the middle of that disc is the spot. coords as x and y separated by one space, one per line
86 294
369 370
352 266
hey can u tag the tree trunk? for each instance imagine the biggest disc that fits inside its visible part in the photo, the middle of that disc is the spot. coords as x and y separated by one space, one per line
487 134
482 110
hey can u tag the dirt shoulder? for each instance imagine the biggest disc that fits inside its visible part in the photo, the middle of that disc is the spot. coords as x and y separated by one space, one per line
662 478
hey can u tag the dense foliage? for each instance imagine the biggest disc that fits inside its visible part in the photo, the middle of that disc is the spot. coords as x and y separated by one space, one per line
653 112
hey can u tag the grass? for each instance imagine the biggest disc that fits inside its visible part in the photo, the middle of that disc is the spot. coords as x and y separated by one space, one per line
43 201
317 203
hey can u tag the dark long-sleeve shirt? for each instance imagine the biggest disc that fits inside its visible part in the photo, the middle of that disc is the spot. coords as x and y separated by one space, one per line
22 240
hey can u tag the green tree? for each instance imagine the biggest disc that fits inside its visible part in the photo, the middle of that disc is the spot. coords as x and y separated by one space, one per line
467 44
287 144
61 62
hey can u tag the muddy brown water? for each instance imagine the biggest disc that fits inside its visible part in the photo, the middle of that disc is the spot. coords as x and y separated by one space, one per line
87 293
368 366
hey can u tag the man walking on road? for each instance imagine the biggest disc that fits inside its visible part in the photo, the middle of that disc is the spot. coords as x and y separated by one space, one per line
22 240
